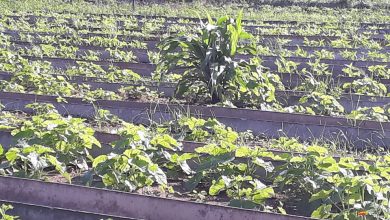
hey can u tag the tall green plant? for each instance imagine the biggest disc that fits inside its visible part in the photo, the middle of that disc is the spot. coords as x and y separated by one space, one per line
209 58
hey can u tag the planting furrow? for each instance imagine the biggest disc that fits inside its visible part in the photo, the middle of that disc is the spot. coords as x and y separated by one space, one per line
39 212
293 80
145 69
120 26
119 203
32 19
68 14
360 52
142 55
359 133
293 39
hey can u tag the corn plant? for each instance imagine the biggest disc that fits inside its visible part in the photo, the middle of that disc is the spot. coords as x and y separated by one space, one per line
208 57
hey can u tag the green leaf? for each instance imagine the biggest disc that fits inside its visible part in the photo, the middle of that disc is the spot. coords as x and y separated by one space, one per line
35 161
186 156
328 164
182 161
158 174
241 203
12 154
323 194
321 151
23 134
210 20
109 179
213 161
212 149
217 187
222 19
6 127
185 167
245 35
297 159
322 212
266 165
165 141
98 160
193 182
243 151
59 167
262 194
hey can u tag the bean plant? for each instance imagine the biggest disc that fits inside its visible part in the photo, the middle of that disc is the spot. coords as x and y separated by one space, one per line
68 137
4 208
366 86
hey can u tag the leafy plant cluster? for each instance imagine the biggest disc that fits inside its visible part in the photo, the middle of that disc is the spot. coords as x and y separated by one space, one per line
73 52
338 189
37 77
138 160
48 141
4 208
113 74
377 113
366 86
317 103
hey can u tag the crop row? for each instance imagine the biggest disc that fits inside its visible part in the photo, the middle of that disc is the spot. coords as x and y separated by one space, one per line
101 39
135 23
267 40
158 29
320 66
195 18
342 54
102 43
284 67
287 79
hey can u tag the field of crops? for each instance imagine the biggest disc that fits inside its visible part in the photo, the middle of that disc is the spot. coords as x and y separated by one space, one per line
193 111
